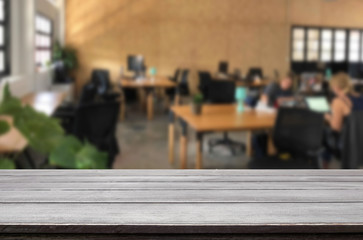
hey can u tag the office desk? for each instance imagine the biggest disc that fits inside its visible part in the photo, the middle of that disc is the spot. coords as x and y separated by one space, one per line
181 205
45 102
149 86
260 84
214 118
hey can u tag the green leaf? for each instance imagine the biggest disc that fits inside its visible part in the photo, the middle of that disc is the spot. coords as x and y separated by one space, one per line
4 127
45 135
7 164
64 155
42 132
90 158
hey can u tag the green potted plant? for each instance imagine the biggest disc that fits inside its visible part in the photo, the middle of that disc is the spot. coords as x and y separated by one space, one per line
46 136
66 57
197 104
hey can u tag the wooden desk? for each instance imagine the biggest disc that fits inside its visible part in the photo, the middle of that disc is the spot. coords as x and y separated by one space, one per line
214 118
45 102
149 86
260 84
181 205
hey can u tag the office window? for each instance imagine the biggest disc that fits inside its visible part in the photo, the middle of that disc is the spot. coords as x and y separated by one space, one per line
340 45
326 45
329 45
4 38
354 46
43 40
313 45
298 44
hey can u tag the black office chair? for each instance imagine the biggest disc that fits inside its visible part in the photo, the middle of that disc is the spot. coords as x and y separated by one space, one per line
223 92
352 137
176 75
97 123
204 81
223 67
298 135
66 112
183 86
254 72
61 74
101 79
171 92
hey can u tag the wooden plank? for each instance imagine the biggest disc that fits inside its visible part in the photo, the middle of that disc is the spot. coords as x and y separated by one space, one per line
182 196
216 172
183 214
177 186
171 179
271 236
197 203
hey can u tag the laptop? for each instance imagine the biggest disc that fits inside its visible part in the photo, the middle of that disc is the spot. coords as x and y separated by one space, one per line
318 104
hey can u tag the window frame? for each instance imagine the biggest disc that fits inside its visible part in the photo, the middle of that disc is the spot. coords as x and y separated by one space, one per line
50 35
334 29
7 37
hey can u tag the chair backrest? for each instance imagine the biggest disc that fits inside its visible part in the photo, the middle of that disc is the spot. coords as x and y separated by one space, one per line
101 78
352 140
255 71
204 80
221 91
96 122
184 76
88 93
176 75
298 131
357 103
183 86
223 67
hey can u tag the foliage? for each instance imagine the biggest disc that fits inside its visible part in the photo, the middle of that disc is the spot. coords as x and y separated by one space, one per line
198 98
67 55
6 163
71 153
45 135
4 127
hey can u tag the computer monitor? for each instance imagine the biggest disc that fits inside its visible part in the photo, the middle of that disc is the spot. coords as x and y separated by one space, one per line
136 64
223 67
255 72
318 104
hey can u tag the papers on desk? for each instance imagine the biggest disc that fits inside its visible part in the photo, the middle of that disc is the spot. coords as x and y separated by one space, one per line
262 107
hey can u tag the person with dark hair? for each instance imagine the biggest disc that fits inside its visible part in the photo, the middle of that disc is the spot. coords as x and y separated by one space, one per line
278 92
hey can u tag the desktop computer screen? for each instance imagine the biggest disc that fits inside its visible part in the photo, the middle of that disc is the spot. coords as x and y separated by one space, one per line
318 104
136 64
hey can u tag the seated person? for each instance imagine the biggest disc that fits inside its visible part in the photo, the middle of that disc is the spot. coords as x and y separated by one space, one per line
345 101
277 93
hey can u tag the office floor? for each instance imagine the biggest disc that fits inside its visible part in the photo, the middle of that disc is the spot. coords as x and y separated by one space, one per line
144 145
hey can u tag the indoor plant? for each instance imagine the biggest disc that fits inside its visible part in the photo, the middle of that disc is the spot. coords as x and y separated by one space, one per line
197 104
65 58
45 135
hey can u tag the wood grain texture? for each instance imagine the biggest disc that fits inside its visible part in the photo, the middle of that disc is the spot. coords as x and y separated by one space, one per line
154 204
224 117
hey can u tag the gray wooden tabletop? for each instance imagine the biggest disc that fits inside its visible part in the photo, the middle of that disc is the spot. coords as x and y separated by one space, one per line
181 202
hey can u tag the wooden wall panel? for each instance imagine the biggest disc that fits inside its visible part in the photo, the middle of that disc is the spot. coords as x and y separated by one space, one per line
195 34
